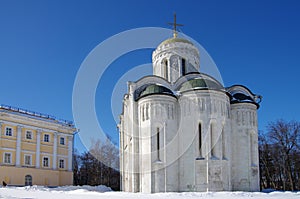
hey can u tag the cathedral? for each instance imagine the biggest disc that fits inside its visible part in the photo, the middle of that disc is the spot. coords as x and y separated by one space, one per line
182 130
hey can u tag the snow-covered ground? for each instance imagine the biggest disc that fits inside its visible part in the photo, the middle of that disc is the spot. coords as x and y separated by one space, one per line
88 192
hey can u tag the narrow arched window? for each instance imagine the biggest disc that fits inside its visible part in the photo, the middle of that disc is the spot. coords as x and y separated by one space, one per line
157 143
200 139
183 67
166 69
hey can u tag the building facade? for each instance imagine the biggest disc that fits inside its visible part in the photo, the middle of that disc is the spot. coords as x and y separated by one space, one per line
35 149
182 130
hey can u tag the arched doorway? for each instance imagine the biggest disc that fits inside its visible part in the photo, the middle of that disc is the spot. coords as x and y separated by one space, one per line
28 180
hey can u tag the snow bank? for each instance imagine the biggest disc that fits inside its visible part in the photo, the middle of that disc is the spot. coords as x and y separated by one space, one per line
99 188
90 192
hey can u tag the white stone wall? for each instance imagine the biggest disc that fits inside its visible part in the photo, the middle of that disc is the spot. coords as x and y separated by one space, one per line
245 168
210 109
158 129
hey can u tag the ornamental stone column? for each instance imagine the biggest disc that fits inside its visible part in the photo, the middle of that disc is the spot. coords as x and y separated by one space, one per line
70 153
38 148
18 150
0 131
54 165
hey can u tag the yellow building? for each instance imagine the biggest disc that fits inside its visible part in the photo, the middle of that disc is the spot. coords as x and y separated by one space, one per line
35 149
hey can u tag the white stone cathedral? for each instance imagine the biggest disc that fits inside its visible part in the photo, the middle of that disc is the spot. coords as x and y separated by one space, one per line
181 130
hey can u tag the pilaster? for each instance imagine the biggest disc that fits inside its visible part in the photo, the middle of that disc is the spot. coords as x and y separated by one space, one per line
70 153
0 131
54 162
38 148
18 149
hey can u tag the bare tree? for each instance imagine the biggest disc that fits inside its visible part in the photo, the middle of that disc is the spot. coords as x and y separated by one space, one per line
279 156
76 167
100 165
266 162
106 154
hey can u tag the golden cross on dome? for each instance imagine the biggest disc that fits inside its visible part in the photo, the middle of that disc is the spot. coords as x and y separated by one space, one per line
174 24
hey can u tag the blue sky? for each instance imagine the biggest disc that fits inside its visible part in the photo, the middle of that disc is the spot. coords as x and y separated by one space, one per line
43 43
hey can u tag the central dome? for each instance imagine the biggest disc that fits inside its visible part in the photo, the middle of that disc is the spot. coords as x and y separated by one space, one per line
174 40
175 57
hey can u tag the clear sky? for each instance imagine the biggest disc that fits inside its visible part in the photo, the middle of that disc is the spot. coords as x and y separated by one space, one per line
43 43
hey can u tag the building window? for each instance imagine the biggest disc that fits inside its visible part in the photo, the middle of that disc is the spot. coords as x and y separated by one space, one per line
200 147
62 141
8 131
157 143
46 138
28 180
7 158
200 139
183 67
28 135
166 69
45 162
61 164
27 160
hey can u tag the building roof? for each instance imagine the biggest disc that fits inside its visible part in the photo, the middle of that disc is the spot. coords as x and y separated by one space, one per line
199 83
242 94
36 115
174 40
151 89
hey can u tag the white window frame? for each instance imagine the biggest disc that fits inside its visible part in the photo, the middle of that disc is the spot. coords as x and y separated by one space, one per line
61 166
48 161
10 158
30 163
64 140
12 131
31 135
44 138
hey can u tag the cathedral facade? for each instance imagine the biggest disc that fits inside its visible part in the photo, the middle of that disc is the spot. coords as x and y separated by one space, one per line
182 130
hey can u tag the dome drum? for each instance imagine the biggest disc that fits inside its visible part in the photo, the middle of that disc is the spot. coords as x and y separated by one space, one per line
174 58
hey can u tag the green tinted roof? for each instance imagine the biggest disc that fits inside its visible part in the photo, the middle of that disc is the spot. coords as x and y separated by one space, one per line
174 40
154 89
199 84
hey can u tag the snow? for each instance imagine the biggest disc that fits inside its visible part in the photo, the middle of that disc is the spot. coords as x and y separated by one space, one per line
90 192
